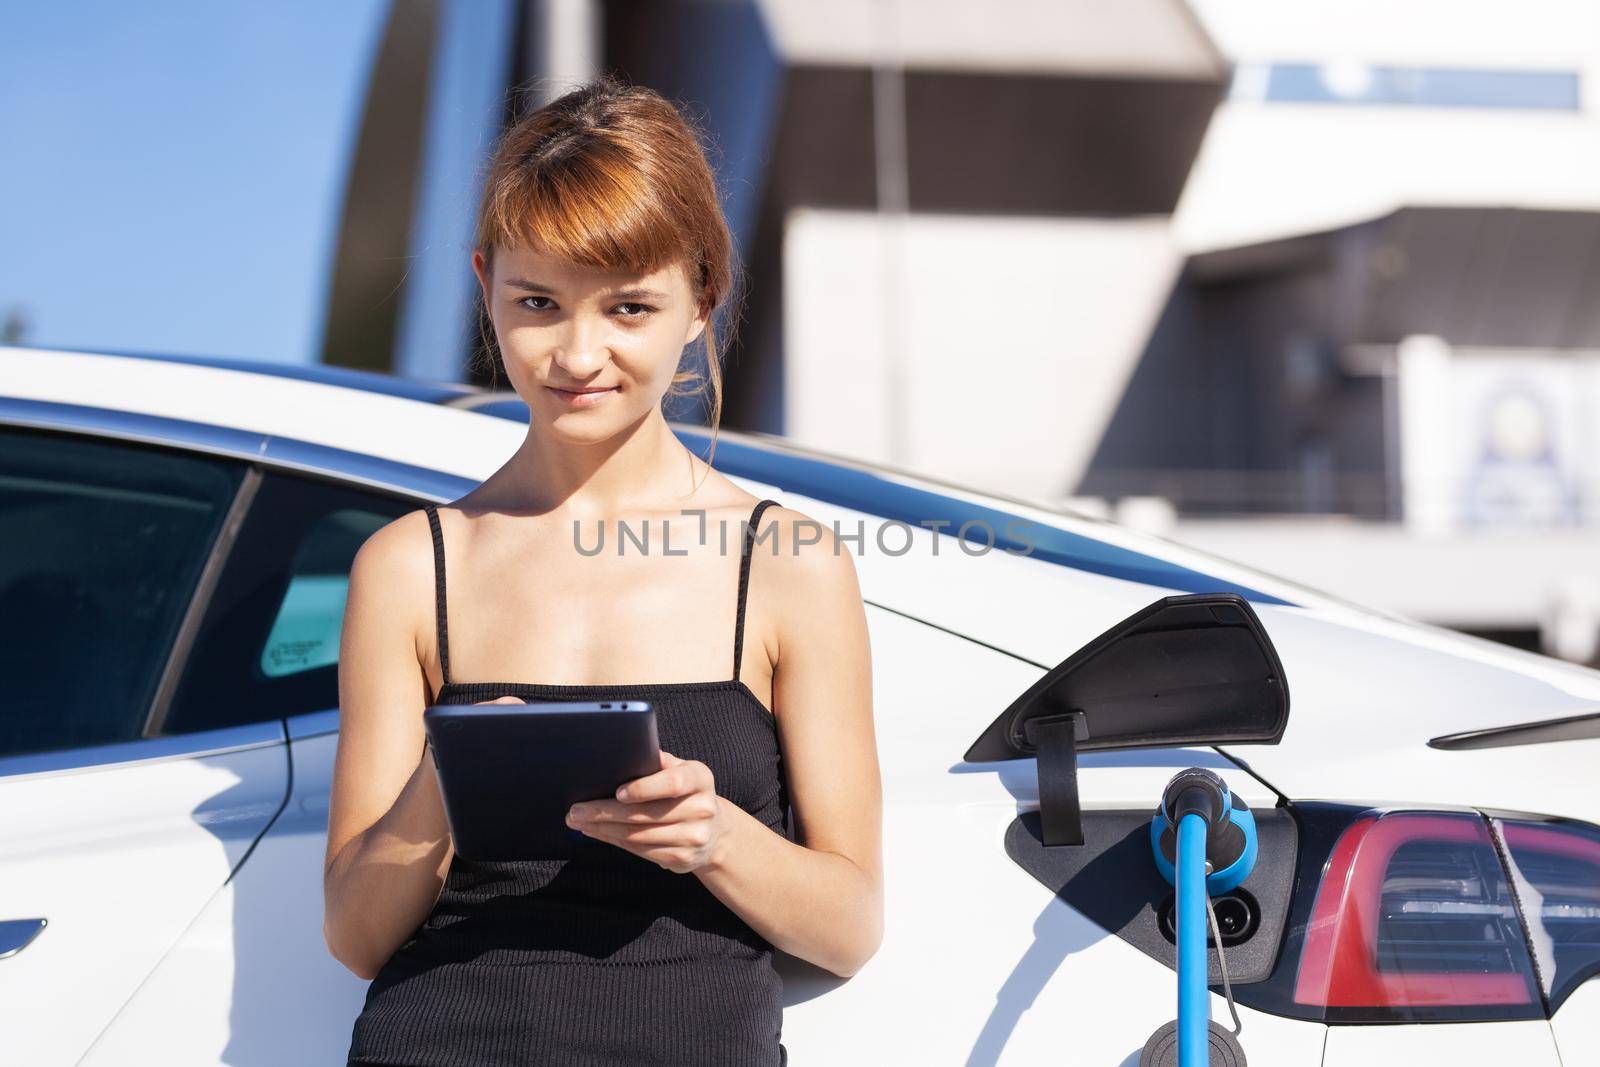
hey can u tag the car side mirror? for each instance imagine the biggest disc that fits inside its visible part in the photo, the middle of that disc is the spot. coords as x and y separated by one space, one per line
1195 669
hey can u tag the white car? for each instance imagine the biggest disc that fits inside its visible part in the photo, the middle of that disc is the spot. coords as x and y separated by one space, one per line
174 541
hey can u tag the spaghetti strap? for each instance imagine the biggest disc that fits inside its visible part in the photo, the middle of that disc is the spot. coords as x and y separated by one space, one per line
439 600
744 583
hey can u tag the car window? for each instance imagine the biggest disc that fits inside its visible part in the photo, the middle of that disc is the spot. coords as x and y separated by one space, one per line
305 628
102 544
268 647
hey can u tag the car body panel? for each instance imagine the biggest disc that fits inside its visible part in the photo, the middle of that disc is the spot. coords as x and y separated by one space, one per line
1577 1025
119 856
252 978
1527 1043
427 436
1365 701
1366 692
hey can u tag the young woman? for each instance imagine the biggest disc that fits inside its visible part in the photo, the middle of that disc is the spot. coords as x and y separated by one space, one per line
601 252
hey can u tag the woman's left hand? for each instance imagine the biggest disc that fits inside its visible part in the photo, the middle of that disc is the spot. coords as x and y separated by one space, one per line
672 818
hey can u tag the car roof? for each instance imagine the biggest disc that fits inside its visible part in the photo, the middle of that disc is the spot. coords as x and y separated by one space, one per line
426 391
439 443
347 422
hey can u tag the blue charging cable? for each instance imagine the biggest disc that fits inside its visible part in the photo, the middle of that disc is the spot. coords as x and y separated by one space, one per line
1204 843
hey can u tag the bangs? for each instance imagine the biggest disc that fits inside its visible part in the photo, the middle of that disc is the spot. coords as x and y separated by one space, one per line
591 205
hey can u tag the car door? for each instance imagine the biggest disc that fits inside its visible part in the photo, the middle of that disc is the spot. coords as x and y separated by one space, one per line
111 840
267 650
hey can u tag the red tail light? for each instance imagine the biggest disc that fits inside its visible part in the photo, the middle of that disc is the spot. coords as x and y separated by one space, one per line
1415 911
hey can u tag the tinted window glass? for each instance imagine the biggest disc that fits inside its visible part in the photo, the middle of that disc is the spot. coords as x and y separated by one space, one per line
103 544
269 646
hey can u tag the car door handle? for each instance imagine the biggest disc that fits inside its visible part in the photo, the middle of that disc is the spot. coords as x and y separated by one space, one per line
17 934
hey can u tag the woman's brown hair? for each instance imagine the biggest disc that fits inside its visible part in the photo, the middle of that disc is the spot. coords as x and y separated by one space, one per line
612 176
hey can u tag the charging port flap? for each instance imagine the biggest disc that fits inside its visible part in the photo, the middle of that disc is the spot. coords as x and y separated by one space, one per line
1196 669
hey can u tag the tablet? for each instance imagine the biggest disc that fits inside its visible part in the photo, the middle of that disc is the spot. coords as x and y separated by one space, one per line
509 772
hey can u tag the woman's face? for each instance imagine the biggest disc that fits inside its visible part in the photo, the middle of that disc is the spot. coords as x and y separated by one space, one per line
565 328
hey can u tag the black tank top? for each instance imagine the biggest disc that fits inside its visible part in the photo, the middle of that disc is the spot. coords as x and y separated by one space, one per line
598 958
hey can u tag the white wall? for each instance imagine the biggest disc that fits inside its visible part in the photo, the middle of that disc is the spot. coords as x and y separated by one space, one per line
1269 170
982 350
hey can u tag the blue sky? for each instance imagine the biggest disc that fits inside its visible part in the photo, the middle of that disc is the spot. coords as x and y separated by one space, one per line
173 172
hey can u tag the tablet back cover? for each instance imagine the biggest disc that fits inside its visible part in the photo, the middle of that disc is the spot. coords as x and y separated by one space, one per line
508 772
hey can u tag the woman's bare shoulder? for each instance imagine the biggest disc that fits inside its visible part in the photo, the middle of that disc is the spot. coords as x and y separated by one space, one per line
401 549
812 551
819 620
393 570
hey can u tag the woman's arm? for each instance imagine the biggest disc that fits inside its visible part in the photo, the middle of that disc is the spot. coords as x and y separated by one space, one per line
820 897
389 845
